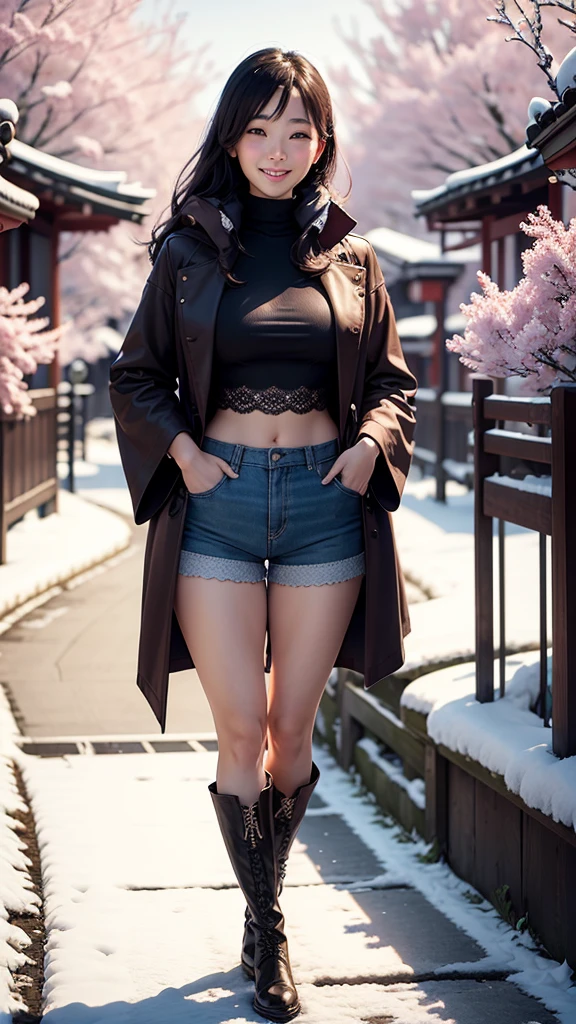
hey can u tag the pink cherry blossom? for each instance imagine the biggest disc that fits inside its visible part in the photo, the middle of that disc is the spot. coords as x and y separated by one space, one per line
529 331
24 344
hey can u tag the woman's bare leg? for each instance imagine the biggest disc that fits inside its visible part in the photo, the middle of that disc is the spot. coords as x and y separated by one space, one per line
307 626
224 626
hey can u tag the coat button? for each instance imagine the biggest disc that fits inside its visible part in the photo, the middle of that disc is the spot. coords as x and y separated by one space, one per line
184 277
182 300
360 293
374 533
355 329
357 277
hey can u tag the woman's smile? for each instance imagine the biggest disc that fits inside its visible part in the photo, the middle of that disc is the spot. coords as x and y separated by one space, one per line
280 175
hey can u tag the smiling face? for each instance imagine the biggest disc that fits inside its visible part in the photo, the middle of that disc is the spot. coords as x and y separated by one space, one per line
276 155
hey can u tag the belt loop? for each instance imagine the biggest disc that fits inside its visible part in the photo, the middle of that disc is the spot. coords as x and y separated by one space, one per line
310 456
236 460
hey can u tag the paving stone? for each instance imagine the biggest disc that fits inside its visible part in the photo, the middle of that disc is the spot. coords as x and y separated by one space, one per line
374 933
336 851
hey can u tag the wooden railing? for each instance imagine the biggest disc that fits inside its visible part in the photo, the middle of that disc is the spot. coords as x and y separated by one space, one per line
28 463
548 510
443 425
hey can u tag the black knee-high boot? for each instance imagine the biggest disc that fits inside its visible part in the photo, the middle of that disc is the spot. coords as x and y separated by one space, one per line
288 812
248 833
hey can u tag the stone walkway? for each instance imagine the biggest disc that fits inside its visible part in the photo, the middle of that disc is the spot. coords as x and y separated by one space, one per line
144 918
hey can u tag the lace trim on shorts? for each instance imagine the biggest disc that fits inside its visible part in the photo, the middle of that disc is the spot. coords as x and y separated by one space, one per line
273 400
212 567
319 574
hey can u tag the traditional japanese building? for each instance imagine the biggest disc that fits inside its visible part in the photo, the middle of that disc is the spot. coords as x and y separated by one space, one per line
67 197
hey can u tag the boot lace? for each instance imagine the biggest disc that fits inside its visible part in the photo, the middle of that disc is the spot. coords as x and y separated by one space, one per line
270 944
286 809
251 824
284 816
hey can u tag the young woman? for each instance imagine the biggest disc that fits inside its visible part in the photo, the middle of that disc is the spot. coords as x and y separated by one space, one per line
269 478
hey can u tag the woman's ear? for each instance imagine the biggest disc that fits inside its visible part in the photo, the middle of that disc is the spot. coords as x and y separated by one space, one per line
232 152
320 150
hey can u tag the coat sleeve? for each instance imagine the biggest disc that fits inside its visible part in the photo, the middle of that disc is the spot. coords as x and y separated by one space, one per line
143 383
386 415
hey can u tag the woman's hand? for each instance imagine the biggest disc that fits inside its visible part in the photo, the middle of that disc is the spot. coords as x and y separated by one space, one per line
203 471
356 465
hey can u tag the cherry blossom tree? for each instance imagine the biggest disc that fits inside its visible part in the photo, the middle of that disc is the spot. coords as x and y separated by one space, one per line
444 91
97 84
529 331
24 344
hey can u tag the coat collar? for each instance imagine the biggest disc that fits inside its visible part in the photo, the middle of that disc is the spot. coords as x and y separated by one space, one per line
222 219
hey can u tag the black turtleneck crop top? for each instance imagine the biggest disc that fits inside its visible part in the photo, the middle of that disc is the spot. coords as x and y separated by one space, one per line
275 343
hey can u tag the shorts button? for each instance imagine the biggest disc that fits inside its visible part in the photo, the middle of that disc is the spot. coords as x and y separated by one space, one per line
374 533
275 456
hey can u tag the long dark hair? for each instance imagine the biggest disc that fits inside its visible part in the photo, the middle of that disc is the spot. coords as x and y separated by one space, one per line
212 172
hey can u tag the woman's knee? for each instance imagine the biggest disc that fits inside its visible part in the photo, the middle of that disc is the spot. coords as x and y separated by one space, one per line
291 735
242 741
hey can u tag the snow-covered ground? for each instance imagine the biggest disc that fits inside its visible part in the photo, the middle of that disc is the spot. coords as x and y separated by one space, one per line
144 918
42 553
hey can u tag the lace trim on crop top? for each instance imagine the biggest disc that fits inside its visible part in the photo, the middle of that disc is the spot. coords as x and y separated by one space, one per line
272 400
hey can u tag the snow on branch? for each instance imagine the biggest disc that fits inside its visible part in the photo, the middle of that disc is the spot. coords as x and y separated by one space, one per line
528 30
24 344
529 331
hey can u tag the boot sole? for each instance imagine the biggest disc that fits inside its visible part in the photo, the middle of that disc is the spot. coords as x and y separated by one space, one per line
281 1017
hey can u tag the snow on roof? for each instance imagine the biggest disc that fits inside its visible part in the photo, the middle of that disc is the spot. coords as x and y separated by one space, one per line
110 183
404 248
512 165
16 200
424 325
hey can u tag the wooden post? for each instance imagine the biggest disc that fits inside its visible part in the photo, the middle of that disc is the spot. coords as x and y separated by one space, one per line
350 732
563 401
484 465
436 783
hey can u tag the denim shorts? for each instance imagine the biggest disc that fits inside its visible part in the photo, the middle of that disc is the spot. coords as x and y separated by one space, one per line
275 521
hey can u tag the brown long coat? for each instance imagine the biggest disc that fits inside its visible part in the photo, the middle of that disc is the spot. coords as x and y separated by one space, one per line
159 386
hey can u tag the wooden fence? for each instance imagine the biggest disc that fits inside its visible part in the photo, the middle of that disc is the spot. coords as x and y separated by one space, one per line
28 463
521 859
443 428
547 505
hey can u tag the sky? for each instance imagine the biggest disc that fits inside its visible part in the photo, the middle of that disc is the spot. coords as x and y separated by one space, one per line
235 29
